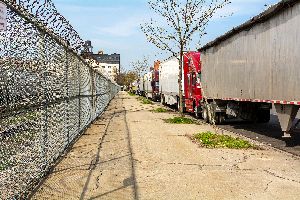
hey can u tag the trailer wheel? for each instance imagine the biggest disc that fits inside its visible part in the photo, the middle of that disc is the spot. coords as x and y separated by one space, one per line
219 118
162 100
263 116
154 98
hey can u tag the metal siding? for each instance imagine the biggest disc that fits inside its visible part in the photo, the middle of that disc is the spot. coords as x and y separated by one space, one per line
141 84
168 76
148 79
260 63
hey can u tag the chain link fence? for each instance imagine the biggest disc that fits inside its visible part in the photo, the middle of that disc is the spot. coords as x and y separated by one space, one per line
48 93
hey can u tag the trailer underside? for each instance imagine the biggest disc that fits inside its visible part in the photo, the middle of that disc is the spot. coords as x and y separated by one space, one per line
216 111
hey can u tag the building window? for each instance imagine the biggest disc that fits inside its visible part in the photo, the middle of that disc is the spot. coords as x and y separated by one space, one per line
109 66
103 67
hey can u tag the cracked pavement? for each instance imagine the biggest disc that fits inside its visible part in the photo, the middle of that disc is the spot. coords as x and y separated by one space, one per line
130 153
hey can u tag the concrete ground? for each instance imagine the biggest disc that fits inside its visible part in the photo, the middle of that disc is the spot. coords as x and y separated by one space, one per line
130 153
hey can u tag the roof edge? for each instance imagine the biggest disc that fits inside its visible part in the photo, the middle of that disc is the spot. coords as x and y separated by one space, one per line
262 17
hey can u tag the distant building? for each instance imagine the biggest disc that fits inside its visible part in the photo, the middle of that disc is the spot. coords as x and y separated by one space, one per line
104 63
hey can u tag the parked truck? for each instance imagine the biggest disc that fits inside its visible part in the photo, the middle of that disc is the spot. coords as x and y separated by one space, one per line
255 65
141 86
152 82
168 77
242 73
134 87
169 87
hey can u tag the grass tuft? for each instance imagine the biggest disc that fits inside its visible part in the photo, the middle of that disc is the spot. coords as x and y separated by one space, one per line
131 94
212 140
179 120
145 100
160 110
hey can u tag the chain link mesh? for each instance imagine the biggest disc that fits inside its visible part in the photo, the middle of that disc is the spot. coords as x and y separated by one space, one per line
48 93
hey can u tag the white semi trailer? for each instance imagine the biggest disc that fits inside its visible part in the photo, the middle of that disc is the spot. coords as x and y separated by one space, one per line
141 86
147 84
254 66
168 81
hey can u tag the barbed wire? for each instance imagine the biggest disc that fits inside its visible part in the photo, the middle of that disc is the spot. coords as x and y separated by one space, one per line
48 94
49 19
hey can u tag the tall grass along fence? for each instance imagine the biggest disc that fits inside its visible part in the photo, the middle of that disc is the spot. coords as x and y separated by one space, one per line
48 93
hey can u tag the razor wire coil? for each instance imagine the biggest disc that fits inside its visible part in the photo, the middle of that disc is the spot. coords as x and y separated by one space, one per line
48 93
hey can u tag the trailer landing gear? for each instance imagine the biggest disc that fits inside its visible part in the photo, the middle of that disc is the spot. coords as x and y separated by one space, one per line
211 116
286 115
205 114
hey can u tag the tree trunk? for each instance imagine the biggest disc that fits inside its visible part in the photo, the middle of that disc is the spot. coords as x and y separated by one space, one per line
180 82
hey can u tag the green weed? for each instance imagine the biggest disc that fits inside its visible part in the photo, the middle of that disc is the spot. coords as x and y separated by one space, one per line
160 110
144 100
131 94
212 140
179 120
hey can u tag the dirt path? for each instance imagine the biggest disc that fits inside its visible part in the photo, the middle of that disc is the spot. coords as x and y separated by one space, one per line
130 153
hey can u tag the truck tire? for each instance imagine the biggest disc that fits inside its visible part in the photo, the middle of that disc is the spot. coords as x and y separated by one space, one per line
154 98
263 116
162 100
219 118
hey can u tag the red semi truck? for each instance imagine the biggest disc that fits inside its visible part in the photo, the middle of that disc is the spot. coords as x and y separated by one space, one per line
168 81
192 85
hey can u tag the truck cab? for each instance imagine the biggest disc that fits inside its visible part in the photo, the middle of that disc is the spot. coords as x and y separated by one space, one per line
192 84
155 85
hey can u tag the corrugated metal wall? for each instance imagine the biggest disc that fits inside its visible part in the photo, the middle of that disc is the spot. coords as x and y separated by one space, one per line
260 63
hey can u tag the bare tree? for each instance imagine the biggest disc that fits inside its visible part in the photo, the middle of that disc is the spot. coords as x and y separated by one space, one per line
121 76
140 66
115 73
126 78
130 77
180 21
